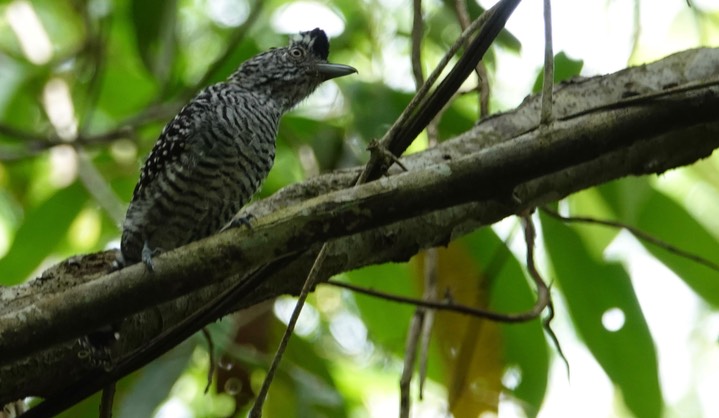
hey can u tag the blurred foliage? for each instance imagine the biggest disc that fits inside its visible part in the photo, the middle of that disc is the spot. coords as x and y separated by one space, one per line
593 287
109 74
564 69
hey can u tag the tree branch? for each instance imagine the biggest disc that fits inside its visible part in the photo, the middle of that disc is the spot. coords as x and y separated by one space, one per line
498 168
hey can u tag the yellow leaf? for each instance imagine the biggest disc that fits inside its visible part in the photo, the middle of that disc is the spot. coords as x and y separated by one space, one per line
471 347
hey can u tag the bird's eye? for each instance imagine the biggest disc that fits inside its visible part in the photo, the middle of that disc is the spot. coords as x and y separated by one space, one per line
297 52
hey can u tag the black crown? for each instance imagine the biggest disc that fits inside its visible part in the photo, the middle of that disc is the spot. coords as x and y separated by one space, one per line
320 44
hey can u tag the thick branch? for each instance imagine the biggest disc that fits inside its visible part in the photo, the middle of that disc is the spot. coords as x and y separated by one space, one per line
498 168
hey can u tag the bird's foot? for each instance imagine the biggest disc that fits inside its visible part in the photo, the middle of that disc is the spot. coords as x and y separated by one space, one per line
238 221
96 347
147 254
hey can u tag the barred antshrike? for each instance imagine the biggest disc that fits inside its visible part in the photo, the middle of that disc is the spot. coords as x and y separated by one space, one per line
214 155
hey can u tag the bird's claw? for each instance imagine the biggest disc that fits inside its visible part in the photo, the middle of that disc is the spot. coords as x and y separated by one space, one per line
238 221
147 254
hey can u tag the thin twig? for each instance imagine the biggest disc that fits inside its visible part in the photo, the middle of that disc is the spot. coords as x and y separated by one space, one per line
546 324
423 319
430 293
548 85
375 146
106 401
417 34
211 351
310 282
460 9
410 353
445 305
639 234
36 142
417 320
530 235
417 71
15 133
543 295
485 89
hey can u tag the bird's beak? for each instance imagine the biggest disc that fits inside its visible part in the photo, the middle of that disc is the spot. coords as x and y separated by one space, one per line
328 70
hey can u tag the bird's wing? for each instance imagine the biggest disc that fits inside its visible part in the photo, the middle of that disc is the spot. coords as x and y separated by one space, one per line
174 142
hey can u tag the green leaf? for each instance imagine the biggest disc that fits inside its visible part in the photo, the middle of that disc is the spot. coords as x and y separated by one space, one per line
590 203
20 86
454 122
387 104
42 229
325 138
638 204
669 221
389 278
126 87
86 408
237 55
626 197
592 288
564 69
525 349
505 39
63 24
286 170
304 386
139 394
154 23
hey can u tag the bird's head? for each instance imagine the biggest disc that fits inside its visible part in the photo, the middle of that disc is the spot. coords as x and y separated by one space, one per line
291 73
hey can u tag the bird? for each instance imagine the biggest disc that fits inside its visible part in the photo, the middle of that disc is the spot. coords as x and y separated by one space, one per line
212 157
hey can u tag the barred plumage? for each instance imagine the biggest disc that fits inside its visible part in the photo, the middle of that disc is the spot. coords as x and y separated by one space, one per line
214 155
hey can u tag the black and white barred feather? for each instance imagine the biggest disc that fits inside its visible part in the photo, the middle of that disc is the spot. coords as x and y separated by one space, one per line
213 156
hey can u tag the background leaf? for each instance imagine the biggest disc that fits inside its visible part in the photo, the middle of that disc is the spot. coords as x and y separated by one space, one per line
390 278
154 23
564 69
662 217
526 355
593 289
42 229
470 347
141 393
